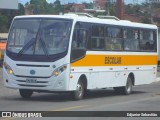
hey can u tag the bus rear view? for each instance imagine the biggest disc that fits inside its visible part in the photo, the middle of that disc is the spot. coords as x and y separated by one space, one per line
36 55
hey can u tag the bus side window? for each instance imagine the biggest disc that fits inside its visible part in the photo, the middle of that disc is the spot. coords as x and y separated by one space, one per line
79 44
79 39
97 37
131 39
147 40
113 39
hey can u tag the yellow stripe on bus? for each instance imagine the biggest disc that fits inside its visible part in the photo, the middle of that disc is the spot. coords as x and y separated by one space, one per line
116 60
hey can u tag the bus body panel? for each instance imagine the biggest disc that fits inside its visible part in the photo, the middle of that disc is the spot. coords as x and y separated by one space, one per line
102 74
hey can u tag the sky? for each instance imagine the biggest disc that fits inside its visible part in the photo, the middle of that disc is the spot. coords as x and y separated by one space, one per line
71 1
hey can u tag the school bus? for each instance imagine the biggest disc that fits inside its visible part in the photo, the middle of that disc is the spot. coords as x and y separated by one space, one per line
59 53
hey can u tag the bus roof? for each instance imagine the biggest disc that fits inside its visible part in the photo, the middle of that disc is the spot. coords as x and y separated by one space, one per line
124 23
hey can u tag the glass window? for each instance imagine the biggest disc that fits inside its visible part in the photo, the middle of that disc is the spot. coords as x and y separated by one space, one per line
79 39
131 39
147 40
23 33
113 32
113 40
80 36
97 31
97 37
39 36
55 35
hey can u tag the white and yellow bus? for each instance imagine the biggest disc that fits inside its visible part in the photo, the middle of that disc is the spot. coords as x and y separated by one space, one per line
58 53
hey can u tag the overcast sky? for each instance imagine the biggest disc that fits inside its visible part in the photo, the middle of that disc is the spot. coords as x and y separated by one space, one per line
71 1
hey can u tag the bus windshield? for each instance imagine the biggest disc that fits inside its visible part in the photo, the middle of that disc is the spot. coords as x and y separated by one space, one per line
37 36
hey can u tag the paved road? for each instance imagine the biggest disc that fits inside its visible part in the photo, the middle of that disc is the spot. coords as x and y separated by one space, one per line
144 98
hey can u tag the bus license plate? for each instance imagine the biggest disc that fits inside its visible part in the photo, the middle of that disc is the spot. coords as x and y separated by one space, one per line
31 80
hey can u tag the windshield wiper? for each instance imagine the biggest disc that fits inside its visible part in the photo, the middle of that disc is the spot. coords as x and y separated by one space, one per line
44 47
26 46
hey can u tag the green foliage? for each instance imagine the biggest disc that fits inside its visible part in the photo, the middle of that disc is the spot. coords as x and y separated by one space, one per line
42 7
3 23
133 9
6 17
57 7
147 18
144 10
38 2
36 6
110 9
88 5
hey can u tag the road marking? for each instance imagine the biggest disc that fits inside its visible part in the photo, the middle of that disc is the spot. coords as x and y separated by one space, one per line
70 108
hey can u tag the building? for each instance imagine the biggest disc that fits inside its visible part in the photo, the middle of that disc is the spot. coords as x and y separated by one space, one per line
133 18
72 7
99 4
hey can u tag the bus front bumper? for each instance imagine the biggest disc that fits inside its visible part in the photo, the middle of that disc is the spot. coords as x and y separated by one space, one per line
38 84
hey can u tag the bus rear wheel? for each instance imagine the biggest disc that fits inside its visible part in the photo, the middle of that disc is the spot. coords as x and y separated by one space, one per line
25 93
79 92
126 90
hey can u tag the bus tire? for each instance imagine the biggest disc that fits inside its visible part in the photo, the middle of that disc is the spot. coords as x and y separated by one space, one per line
25 93
79 92
125 90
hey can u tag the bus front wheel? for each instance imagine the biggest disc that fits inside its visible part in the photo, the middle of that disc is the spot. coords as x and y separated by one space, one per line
25 93
79 92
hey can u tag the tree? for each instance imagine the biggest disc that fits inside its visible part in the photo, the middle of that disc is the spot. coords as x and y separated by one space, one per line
21 10
38 6
3 23
110 8
88 5
38 2
133 9
6 17
58 7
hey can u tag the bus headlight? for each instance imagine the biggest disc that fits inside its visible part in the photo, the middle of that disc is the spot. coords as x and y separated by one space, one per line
59 70
8 68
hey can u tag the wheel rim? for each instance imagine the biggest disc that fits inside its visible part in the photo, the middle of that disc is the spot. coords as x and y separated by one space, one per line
79 90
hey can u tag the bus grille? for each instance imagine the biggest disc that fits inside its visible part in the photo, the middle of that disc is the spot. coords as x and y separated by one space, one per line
33 65
32 85
24 81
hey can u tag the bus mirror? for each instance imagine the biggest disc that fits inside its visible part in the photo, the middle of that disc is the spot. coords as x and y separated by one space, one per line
77 54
